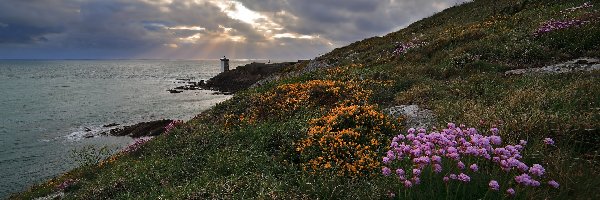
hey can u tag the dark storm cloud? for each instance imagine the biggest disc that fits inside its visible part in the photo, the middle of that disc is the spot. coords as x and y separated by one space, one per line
138 28
108 23
349 20
17 33
29 21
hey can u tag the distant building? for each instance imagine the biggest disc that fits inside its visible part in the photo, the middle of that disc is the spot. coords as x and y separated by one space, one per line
224 64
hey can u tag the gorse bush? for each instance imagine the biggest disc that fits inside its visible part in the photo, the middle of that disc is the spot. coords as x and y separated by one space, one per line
288 98
346 141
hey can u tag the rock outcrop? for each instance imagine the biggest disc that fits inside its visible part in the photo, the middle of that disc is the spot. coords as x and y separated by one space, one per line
414 116
152 128
243 77
577 65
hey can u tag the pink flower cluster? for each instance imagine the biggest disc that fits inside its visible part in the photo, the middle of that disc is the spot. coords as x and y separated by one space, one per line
554 25
421 149
402 48
136 144
67 183
172 125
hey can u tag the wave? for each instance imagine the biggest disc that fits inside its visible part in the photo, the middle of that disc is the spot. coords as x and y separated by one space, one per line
85 132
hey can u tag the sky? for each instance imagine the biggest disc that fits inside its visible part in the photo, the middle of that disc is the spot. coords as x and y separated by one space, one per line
198 29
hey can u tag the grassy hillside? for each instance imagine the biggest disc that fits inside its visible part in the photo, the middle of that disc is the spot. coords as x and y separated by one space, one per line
323 134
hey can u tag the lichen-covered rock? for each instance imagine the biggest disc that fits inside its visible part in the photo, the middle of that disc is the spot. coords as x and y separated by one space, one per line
577 65
414 116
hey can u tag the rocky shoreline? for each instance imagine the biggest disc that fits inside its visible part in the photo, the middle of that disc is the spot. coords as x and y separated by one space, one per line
151 128
240 78
227 82
245 76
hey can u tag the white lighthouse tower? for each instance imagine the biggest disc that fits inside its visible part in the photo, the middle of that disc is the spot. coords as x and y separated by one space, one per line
224 64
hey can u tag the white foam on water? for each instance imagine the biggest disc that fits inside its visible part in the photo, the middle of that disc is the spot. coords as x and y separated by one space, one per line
85 132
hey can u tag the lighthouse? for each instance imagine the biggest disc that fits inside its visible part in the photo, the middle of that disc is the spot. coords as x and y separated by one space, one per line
224 64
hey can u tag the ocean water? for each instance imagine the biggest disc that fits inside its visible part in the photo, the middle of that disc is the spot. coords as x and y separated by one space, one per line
47 105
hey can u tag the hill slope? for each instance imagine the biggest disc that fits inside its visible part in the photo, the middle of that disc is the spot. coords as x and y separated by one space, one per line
323 133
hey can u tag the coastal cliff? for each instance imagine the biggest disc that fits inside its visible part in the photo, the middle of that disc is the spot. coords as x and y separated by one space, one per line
245 76
348 127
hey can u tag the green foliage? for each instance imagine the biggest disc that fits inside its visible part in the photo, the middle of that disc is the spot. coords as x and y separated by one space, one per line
91 155
458 73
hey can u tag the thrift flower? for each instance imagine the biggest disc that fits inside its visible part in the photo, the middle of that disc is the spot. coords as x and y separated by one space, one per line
496 140
461 165
452 176
416 172
494 185
548 141
386 171
537 170
386 160
454 143
553 183
400 172
407 184
437 168
494 130
474 167
510 191
463 177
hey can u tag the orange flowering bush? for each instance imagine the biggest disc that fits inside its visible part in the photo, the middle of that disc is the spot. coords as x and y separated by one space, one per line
347 140
288 98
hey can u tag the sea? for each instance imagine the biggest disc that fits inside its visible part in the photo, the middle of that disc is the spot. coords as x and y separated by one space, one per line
50 109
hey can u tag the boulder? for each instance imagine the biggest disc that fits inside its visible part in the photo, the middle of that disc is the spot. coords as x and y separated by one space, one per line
152 128
414 116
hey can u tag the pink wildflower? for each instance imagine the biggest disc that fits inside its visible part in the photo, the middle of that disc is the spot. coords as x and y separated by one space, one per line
494 130
452 176
510 191
407 184
494 185
553 183
437 168
537 170
386 160
461 165
386 171
463 177
400 172
474 167
416 172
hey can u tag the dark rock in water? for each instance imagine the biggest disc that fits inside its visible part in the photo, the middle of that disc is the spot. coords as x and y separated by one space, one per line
110 125
152 128
187 87
243 77
174 91
87 129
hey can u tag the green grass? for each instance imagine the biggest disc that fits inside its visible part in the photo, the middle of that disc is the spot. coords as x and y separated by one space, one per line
458 74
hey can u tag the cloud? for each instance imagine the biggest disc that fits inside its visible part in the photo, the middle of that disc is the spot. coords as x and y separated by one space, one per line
198 28
350 20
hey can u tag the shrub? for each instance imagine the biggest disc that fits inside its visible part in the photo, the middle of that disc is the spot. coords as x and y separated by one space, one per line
288 98
345 141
